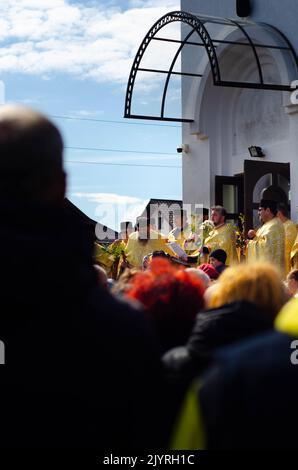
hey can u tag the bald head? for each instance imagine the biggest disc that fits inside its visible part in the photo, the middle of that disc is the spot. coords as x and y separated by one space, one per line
31 166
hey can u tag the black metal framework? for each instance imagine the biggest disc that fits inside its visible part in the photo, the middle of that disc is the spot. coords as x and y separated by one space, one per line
198 25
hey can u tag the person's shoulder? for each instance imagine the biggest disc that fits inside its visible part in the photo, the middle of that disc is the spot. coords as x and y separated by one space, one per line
280 227
208 319
290 226
114 319
274 226
220 269
100 307
238 310
246 365
117 305
260 352
276 222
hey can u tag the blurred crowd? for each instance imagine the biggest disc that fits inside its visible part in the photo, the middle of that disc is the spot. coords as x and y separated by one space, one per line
193 350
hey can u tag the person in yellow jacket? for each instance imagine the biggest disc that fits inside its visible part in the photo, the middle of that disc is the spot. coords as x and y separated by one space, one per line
268 242
144 241
290 234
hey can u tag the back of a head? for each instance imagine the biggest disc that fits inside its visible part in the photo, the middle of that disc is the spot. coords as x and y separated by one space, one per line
259 283
172 297
269 204
219 255
281 207
201 275
101 275
31 167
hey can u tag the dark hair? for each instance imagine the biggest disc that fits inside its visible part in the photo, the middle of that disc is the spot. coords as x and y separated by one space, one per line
281 207
31 150
160 254
293 275
221 210
268 204
219 255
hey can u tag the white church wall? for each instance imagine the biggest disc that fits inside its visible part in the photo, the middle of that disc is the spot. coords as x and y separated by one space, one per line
229 120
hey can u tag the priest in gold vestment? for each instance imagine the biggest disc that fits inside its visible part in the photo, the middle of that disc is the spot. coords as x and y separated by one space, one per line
182 230
222 236
268 242
294 255
110 258
290 234
144 241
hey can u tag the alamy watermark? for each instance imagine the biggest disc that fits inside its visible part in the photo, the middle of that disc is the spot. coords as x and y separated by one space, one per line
160 216
294 355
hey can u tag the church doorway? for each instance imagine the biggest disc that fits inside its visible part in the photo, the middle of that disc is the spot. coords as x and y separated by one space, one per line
260 180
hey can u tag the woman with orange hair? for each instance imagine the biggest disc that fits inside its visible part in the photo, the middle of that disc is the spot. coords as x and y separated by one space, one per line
172 297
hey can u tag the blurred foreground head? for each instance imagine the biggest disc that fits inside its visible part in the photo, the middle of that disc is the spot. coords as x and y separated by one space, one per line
31 166
172 297
259 283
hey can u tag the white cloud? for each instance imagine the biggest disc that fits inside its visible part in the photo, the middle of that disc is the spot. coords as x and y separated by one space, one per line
107 198
86 113
84 39
113 208
30 101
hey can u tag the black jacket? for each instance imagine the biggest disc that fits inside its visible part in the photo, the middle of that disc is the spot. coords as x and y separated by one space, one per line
249 400
81 367
214 328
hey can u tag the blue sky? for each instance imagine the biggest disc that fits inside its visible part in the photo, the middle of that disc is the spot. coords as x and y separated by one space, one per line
72 58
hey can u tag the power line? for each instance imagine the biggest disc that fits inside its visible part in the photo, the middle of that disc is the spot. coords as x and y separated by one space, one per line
119 150
112 121
121 164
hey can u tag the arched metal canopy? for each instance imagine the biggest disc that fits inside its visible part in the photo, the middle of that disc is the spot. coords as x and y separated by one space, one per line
207 32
